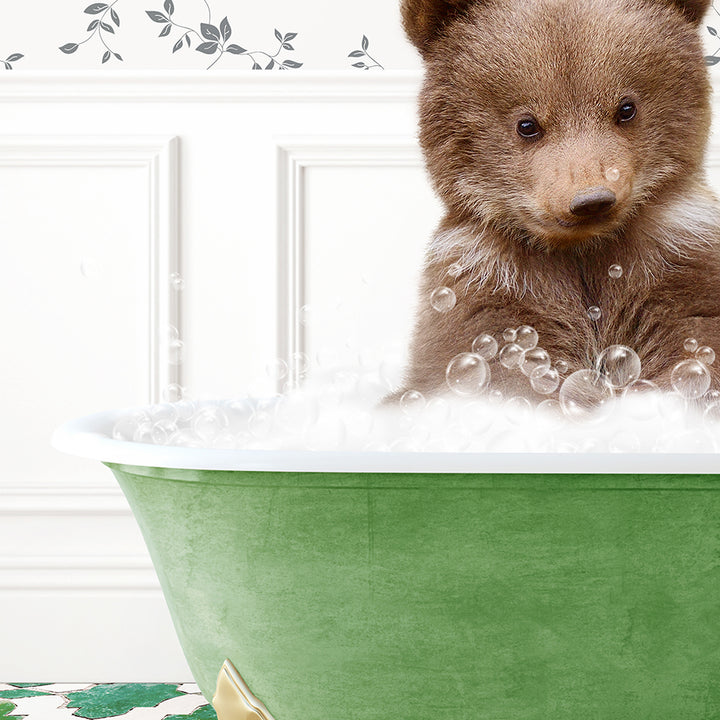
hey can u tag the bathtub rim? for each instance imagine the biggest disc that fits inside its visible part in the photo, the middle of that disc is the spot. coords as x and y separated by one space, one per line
90 437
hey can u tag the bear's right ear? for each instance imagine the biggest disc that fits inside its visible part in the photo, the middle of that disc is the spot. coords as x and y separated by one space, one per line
424 20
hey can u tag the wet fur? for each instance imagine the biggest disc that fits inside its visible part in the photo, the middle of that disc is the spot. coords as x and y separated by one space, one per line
570 63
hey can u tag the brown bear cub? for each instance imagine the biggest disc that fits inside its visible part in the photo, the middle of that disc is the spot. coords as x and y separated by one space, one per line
565 137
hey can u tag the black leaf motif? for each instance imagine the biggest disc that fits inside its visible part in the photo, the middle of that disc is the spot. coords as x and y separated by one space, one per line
7 65
165 31
156 16
278 35
210 32
365 43
169 7
291 64
107 28
256 66
225 29
187 38
290 36
118 56
106 56
93 25
235 49
360 64
115 17
69 48
712 31
177 45
207 47
712 60
288 46
95 8
270 65
14 57
356 53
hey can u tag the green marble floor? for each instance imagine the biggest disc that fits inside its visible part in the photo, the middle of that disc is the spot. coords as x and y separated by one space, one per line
130 701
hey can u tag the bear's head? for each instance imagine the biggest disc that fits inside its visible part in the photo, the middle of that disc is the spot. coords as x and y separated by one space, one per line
556 121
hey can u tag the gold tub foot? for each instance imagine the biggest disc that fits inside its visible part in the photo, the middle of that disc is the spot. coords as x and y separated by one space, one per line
233 699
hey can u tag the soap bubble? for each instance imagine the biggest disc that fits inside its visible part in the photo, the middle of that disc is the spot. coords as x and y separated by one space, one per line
546 382
619 364
641 399
296 411
561 366
177 282
526 337
550 409
485 346
690 379
690 345
176 351
185 409
509 335
174 392
209 421
585 395
615 271
260 424
518 410
467 374
455 269
535 362
412 402
277 369
511 356
299 364
712 396
712 412
304 315
443 299
705 354
612 174
90 268
594 313
144 433
126 426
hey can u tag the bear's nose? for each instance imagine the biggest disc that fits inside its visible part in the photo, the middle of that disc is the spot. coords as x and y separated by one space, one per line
592 202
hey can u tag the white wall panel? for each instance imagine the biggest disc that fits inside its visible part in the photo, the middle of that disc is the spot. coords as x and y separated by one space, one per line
291 190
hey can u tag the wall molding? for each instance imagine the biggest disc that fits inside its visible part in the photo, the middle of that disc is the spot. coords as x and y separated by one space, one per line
295 156
158 156
204 86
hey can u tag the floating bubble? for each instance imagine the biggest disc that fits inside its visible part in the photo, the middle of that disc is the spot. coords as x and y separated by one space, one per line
304 315
467 374
412 401
455 270
712 396
176 352
509 335
550 409
561 366
127 425
615 271
172 333
705 354
511 356
546 382
485 346
690 345
535 362
619 364
299 364
185 409
90 268
177 282
209 421
144 433
690 379
585 395
612 174
277 369
594 313
641 399
526 337
443 299
712 412
174 392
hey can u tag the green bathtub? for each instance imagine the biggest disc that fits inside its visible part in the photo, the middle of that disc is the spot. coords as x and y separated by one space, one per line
358 594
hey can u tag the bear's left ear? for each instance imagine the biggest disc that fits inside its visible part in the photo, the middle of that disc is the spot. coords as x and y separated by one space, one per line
694 10
424 20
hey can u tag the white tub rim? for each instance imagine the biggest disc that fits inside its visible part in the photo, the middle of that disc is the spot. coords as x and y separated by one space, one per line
90 436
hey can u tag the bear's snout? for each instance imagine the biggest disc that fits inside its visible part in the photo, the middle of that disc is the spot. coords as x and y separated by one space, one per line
593 201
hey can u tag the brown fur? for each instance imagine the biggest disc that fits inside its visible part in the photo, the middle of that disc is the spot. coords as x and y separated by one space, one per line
525 258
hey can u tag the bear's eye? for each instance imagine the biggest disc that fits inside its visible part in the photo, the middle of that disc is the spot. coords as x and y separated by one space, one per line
626 111
528 127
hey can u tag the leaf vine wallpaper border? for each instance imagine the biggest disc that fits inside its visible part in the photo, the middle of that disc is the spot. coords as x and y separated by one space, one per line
190 26
220 34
